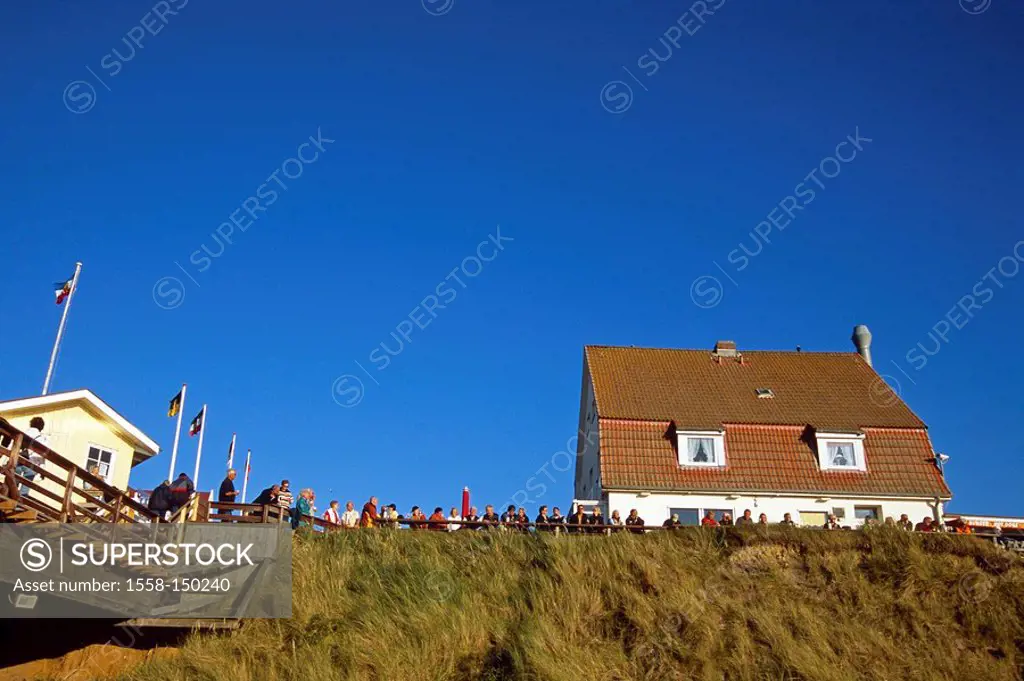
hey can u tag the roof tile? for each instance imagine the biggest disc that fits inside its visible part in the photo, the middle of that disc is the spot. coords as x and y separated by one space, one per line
638 454
827 390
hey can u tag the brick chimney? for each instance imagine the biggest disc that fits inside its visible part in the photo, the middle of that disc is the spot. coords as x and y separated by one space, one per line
725 348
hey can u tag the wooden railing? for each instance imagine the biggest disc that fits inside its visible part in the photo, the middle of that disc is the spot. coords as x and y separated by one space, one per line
80 496
254 513
229 512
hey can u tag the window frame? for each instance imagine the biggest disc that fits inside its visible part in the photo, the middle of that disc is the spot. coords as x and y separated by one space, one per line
874 508
108 478
856 440
717 438
685 511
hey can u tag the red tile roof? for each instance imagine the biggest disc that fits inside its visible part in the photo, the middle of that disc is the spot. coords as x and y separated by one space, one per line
831 391
767 458
642 393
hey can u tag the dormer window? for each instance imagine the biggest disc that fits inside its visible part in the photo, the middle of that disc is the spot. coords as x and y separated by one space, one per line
701 448
764 393
841 451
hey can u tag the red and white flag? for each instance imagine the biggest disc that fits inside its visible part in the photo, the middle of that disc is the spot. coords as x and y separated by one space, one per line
62 289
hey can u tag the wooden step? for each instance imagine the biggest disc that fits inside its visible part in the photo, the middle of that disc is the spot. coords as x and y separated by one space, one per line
25 516
7 505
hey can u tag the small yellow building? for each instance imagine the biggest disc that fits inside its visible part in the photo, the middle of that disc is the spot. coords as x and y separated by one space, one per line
85 430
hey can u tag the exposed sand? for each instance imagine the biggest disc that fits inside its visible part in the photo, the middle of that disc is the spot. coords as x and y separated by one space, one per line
92 662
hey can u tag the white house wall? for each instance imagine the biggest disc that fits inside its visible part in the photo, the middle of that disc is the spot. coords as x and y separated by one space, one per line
589 447
654 509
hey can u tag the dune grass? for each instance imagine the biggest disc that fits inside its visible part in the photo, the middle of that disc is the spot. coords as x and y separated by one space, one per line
785 605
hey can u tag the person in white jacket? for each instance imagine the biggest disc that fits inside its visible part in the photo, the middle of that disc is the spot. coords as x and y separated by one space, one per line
454 515
350 518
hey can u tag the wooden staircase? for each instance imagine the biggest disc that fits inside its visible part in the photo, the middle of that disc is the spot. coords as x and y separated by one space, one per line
12 512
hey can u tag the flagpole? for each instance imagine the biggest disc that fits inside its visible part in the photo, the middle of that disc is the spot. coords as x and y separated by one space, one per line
60 329
231 452
177 432
199 452
245 480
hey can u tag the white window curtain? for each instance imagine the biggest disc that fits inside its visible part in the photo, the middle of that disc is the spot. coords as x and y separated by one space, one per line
840 454
701 450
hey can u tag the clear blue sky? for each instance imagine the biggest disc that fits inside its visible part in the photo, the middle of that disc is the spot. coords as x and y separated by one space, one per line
490 113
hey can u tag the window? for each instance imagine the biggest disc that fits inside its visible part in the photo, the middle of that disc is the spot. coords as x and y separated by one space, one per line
687 516
720 513
102 458
841 451
865 512
840 455
764 393
839 512
701 449
813 518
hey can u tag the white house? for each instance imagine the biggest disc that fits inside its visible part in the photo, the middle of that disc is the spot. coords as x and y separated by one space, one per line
807 433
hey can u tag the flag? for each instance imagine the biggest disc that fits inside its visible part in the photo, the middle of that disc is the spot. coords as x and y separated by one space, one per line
62 289
231 451
175 406
197 424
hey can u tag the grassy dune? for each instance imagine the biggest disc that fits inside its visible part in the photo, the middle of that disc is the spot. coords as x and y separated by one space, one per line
782 605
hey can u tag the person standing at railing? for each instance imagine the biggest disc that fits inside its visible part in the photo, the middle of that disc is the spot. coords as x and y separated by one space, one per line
389 518
473 517
303 509
268 497
634 522
369 517
420 517
284 496
541 521
180 492
160 500
227 493
350 518
437 522
331 515
577 521
616 522
557 520
508 518
36 434
454 515
490 518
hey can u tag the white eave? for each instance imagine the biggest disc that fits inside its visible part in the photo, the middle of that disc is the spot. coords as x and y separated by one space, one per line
84 395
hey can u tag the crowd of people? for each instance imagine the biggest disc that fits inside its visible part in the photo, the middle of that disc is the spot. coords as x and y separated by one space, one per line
579 520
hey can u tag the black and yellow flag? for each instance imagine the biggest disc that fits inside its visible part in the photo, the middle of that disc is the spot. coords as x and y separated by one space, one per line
175 406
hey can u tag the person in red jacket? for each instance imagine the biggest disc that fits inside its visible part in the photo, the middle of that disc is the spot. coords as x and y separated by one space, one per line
709 520
437 522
